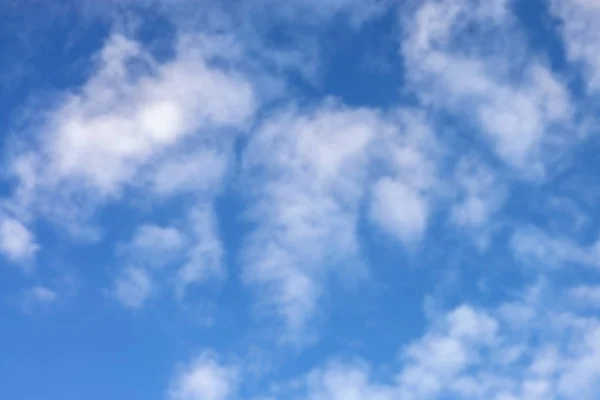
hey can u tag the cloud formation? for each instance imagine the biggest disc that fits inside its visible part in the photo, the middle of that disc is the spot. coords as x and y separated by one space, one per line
218 156
204 379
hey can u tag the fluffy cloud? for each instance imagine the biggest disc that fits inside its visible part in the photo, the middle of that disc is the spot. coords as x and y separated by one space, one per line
399 210
132 115
580 35
316 177
17 243
518 350
310 171
401 196
119 121
205 379
515 101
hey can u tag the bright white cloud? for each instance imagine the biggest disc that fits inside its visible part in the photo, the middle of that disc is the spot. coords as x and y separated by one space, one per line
119 121
17 243
205 379
127 124
133 287
159 129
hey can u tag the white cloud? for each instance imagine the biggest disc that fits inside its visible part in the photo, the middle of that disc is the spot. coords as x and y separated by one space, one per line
399 209
133 287
170 257
482 195
205 379
155 246
538 247
480 198
471 353
202 171
157 129
119 120
581 35
436 360
133 112
308 176
401 199
204 258
516 103
17 243
346 382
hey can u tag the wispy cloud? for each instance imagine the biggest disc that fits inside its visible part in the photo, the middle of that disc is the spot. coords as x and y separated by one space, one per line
194 251
580 36
515 101
545 250
307 172
133 287
38 298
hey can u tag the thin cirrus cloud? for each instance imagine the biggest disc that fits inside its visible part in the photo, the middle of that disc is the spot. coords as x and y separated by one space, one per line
225 171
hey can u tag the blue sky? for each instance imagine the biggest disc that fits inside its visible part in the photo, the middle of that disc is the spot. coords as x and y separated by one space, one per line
305 200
